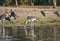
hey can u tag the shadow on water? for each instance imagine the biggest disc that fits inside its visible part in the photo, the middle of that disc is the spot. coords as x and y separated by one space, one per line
46 32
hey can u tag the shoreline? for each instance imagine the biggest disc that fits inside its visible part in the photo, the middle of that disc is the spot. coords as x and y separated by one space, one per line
37 25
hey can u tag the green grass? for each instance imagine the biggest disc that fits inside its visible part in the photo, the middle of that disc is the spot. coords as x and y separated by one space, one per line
14 22
39 21
43 21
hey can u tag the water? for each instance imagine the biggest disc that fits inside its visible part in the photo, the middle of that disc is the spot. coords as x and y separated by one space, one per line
45 32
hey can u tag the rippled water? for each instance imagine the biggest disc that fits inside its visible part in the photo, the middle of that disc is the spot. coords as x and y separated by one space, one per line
42 32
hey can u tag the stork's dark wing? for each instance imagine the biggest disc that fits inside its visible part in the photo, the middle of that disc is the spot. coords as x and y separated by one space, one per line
7 18
43 13
57 13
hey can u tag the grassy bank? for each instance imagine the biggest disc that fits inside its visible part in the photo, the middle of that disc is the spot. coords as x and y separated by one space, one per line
39 21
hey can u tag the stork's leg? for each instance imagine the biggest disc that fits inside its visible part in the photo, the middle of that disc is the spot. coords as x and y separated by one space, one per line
33 36
3 29
25 28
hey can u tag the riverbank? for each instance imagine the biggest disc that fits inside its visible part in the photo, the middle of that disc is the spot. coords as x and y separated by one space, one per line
22 13
36 25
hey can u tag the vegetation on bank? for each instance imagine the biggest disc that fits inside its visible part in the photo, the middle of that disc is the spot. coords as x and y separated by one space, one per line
33 2
39 21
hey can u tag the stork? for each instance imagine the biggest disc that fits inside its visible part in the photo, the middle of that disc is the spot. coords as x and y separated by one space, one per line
57 13
12 14
30 19
43 13
7 17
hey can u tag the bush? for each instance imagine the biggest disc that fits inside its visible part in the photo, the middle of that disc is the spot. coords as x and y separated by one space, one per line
2 2
58 2
5 4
